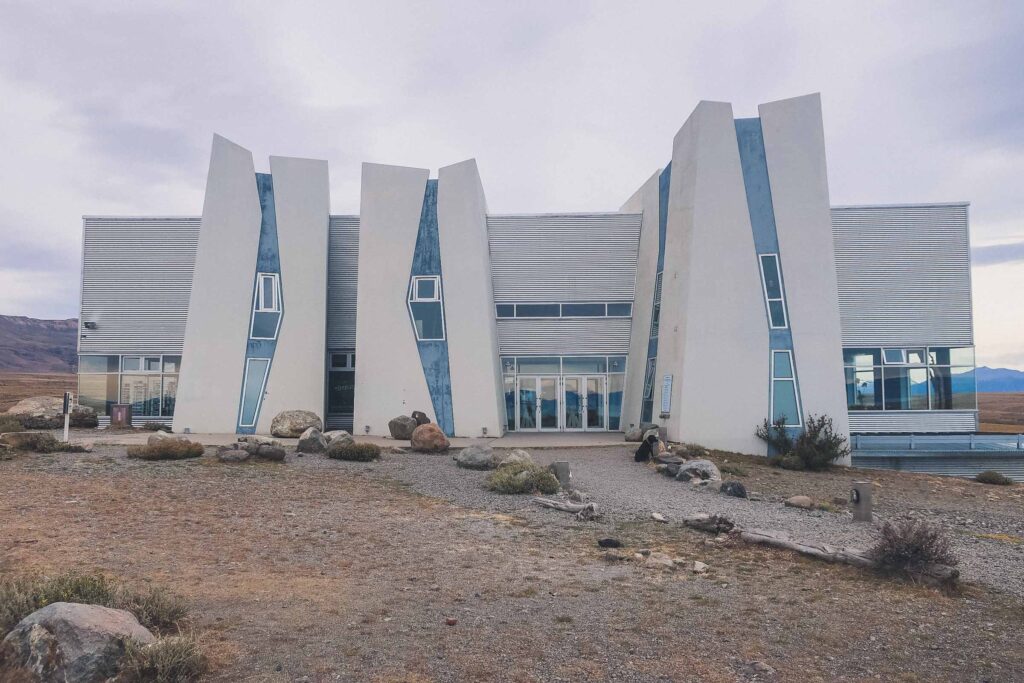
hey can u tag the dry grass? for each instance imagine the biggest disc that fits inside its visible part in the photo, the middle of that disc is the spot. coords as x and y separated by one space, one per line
1001 411
15 386
522 477
173 659
167 449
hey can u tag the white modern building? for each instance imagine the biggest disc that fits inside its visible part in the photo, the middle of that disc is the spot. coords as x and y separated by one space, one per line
725 290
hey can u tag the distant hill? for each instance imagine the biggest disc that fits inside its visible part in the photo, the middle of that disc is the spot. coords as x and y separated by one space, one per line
991 380
30 345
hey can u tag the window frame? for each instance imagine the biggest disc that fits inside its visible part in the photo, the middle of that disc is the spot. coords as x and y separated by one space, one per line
781 299
414 295
259 305
263 390
656 307
796 392
413 298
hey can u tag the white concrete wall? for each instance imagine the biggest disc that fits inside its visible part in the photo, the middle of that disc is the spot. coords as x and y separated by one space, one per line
302 207
644 201
794 143
714 336
477 398
389 375
220 306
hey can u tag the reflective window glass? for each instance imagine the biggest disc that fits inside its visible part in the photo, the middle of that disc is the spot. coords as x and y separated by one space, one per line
777 311
893 356
426 289
539 365
862 357
143 393
649 378
964 388
864 389
905 388
339 360
169 397
616 364
428 319
616 387
506 310
252 389
620 310
341 389
782 365
98 391
538 310
784 401
510 403
98 363
131 363
584 364
915 356
172 363
151 364
508 364
772 280
583 310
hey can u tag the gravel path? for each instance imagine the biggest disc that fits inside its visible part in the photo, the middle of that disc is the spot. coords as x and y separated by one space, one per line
626 491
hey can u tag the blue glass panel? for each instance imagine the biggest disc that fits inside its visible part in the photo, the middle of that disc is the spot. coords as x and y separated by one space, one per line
772 281
506 310
964 388
894 356
426 289
583 310
617 364
537 310
620 310
426 315
252 391
782 365
584 364
616 384
264 325
778 313
539 365
862 357
864 389
784 401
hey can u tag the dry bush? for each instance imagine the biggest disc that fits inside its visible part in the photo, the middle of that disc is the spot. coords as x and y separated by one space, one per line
358 452
10 424
815 447
691 451
908 547
155 427
173 659
155 608
993 477
41 442
167 449
522 477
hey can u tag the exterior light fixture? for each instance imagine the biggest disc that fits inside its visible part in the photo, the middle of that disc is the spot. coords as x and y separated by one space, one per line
366 429
89 325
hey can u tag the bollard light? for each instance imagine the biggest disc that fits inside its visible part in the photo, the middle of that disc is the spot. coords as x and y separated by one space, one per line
860 501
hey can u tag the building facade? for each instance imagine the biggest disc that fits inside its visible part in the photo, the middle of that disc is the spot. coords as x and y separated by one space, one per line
726 290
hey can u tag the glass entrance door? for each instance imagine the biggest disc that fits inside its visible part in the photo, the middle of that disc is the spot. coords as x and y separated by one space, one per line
596 397
538 403
526 398
572 402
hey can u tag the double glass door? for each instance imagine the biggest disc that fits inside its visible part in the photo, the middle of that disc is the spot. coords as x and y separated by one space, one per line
571 403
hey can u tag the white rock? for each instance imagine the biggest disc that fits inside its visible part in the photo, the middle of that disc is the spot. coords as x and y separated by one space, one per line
699 567
658 517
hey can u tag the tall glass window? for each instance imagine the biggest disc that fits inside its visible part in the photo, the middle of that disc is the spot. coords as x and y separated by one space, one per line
148 383
656 311
252 389
785 402
426 308
771 280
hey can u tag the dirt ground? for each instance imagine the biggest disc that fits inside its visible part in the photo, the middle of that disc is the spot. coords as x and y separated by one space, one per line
15 386
318 570
1001 412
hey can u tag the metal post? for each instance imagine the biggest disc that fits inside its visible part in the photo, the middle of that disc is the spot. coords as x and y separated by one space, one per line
67 414
911 442
972 441
860 501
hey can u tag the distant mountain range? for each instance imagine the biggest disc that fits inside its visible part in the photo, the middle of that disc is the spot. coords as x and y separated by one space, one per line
30 345
991 380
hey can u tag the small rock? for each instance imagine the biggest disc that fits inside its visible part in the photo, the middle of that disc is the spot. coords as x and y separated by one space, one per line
336 434
232 455
802 502
420 417
516 455
658 517
274 453
701 469
733 488
475 457
609 543
311 441
659 561
451 621
699 567
762 668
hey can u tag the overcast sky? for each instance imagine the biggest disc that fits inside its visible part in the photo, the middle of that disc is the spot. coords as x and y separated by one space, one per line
110 107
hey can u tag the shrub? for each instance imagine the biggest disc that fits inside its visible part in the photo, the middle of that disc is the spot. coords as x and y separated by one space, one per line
522 477
993 477
167 449
156 427
10 424
910 546
691 451
40 442
816 447
358 452
155 608
733 469
83 419
174 659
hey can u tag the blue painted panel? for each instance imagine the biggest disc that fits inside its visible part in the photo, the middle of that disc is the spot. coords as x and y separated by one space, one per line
664 182
434 358
757 185
268 260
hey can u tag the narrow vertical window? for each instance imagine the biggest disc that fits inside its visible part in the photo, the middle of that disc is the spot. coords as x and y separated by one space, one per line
771 281
267 293
252 390
785 401
656 312
425 307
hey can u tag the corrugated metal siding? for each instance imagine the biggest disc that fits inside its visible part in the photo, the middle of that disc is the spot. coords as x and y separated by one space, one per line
564 258
906 421
136 281
904 274
963 464
342 280
563 336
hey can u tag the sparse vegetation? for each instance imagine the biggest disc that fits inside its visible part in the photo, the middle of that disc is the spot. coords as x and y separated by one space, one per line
733 469
522 477
9 424
167 449
994 478
357 452
173 659
909 547
41 442
155 608
814 448
155 427
690 451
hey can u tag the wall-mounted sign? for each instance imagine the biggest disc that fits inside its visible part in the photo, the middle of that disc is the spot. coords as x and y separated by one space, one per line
666 394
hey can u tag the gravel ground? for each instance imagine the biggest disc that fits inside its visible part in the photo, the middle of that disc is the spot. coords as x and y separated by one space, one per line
627 491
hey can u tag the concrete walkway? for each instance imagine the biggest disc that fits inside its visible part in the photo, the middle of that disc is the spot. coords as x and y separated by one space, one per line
527 440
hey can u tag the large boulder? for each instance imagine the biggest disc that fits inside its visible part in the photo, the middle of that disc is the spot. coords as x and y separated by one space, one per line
311 441
230 455
157 438
429 438
516 455
38 406
69 642
476 457
292 423
331 436
267 452
402 427
637 433
701 470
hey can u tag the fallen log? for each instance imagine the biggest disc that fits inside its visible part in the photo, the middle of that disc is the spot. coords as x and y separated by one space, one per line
716 524
583 511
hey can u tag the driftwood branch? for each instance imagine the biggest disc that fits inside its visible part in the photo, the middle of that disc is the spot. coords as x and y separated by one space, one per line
583 511
938 574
